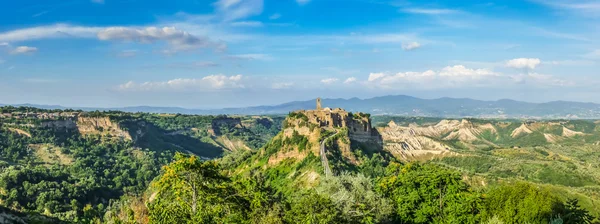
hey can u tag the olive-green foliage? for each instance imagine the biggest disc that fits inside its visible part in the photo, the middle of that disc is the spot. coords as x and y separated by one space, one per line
297 140
429 194
521 202
356 198
298 115
310 207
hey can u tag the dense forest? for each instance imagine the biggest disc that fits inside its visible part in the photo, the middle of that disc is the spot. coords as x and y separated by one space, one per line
182 169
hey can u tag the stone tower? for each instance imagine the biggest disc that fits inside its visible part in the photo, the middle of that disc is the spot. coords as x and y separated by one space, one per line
319 104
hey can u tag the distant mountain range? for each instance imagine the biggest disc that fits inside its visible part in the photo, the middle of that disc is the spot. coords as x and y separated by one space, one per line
396 105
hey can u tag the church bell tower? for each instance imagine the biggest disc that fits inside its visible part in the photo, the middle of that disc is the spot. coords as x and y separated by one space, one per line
319 104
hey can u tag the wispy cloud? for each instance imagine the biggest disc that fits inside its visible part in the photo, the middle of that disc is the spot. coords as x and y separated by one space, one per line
194 65
128 53
350 80
179 40
247 24
282 85
302 2
430 11
232 10
329 80
261 57
556 34
341 71
51 31
24 50
97 1
411 46
582 7
275 16
39 80
207 83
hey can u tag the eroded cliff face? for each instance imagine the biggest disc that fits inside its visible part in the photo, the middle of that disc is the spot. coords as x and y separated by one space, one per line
89 126
100 126
411 143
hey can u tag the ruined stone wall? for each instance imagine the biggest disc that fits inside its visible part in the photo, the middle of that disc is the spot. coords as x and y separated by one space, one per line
328 118
359 127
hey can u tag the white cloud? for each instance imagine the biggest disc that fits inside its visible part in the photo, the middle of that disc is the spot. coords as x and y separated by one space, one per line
410 46
4 44
247 24
207 83
350 80
260 57
459 71
275 16
302 2
24 50
427 11
329 80
52 31
2 61
375 76
523 63
98 1
450 76
459 76
179 40
282 85
232 10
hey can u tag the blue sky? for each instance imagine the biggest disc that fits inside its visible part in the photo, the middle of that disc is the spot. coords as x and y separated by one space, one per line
232 53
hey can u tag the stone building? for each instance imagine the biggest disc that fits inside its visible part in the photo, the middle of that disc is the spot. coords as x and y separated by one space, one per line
359 125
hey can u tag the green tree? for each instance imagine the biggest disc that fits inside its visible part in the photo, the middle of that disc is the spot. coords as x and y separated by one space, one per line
521 202
575 214
429 194
192 191
312 208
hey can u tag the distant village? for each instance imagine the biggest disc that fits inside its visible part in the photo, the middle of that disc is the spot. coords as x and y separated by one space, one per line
40 115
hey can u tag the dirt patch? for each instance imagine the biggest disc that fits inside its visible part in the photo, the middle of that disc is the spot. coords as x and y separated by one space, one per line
280 156
51 154
20 132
